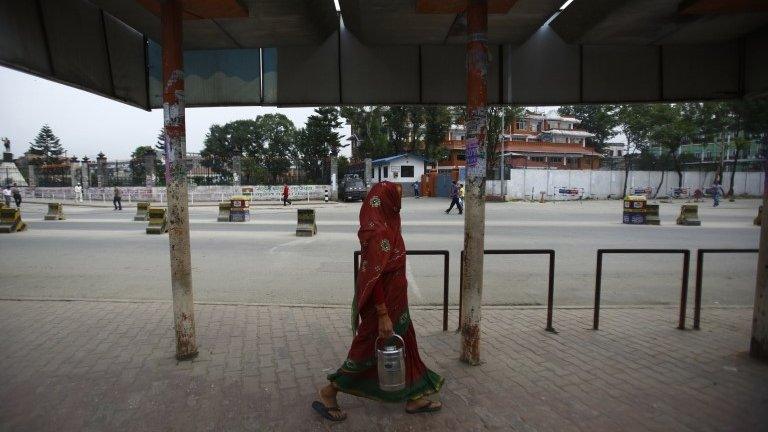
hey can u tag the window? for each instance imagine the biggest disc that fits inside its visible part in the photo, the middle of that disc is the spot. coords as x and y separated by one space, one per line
406 171
537 158
556 159
520 124
386 171
619 152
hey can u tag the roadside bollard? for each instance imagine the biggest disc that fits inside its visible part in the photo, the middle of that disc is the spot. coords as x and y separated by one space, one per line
326 195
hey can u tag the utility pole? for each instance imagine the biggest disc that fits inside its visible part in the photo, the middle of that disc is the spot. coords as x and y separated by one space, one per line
474 219
758 343
501 164
176 178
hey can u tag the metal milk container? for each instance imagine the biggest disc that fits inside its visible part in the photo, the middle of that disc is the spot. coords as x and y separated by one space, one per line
391 364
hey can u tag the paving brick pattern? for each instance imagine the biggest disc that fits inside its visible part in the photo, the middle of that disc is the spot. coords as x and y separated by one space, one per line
109 366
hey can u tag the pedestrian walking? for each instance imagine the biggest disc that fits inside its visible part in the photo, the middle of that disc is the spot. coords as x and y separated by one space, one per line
16 195
461 196
379 311
117 197
286 192
7 195
717 190
455 200
79 193
416 192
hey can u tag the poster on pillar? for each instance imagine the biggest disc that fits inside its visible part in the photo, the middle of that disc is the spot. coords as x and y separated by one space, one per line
475 158
212 77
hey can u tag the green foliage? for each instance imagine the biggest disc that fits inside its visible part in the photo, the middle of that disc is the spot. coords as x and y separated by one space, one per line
139 171
47 145
600 120
275 148
396 120
437 123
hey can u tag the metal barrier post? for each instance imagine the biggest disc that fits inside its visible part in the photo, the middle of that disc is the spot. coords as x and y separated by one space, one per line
699 279
446 278
684 283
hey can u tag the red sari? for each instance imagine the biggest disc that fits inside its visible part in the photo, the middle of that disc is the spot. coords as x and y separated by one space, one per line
382 281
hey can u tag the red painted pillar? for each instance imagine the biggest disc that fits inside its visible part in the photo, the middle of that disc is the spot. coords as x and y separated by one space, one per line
474 219
176 179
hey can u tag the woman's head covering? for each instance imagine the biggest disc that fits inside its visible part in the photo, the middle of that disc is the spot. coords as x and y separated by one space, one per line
380 209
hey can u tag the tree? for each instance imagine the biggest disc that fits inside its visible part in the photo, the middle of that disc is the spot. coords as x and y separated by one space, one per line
160 144
636 123
369 131
236 138
275 147
671 128
600 120
437 123
416 119
494 134
752 122
397 124
139 171
47 145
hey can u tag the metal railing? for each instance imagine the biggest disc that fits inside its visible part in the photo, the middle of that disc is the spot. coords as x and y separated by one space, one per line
699 277
683 291
551 280
446 272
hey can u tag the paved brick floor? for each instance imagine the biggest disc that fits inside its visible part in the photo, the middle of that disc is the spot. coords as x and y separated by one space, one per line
107 366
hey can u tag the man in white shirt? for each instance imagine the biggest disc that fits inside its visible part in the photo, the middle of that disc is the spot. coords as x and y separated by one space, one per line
79 193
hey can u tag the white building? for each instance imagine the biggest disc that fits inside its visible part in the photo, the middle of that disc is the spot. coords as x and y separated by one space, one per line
404 168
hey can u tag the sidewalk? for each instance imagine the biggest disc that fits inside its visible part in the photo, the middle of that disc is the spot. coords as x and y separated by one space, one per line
126 204
109 366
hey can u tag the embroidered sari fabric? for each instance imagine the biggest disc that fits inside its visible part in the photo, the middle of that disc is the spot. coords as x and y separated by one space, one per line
382 280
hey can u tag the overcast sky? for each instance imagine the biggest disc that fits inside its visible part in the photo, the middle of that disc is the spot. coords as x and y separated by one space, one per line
87 124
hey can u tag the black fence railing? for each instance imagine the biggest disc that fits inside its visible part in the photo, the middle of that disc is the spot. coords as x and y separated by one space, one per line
683 290
446 273
550 284
700 275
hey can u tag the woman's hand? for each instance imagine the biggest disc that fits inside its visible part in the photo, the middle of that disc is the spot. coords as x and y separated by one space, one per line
385 327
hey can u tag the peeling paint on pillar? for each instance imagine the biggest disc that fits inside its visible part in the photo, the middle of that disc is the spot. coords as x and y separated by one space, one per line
758 343
474 211
176 180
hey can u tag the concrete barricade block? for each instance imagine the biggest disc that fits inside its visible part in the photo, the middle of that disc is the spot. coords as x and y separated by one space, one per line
306 226
10 220
759 218
239 209
142 212
224 212
158 221
689 215
55 212
652 214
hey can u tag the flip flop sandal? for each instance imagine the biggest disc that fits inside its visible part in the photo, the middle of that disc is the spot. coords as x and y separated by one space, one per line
326 411
428 408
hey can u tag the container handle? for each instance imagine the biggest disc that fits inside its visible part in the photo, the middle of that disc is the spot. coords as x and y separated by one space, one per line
376 344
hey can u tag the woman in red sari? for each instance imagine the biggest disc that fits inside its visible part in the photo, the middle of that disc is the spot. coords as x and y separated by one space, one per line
380 308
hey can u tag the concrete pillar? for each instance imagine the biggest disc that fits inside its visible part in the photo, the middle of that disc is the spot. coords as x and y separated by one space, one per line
149 169
31 176
367 173
101 170
85 171
176 178
237 171
758 344
474 216
334 177
74 164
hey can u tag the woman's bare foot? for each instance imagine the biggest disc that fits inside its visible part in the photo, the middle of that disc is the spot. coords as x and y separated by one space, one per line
422 405
328 398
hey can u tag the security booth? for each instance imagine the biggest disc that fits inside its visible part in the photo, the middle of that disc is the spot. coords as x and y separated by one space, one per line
239 209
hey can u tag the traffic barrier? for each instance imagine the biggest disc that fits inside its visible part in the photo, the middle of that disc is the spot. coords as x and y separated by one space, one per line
306 226
224 212
635 207
683 289
700 275
652 214
158 221
446 272
142 211
550 279
10 220
759 218
689 215
55 212
239 209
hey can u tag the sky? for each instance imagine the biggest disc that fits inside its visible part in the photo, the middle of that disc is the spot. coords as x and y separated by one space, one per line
87 124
